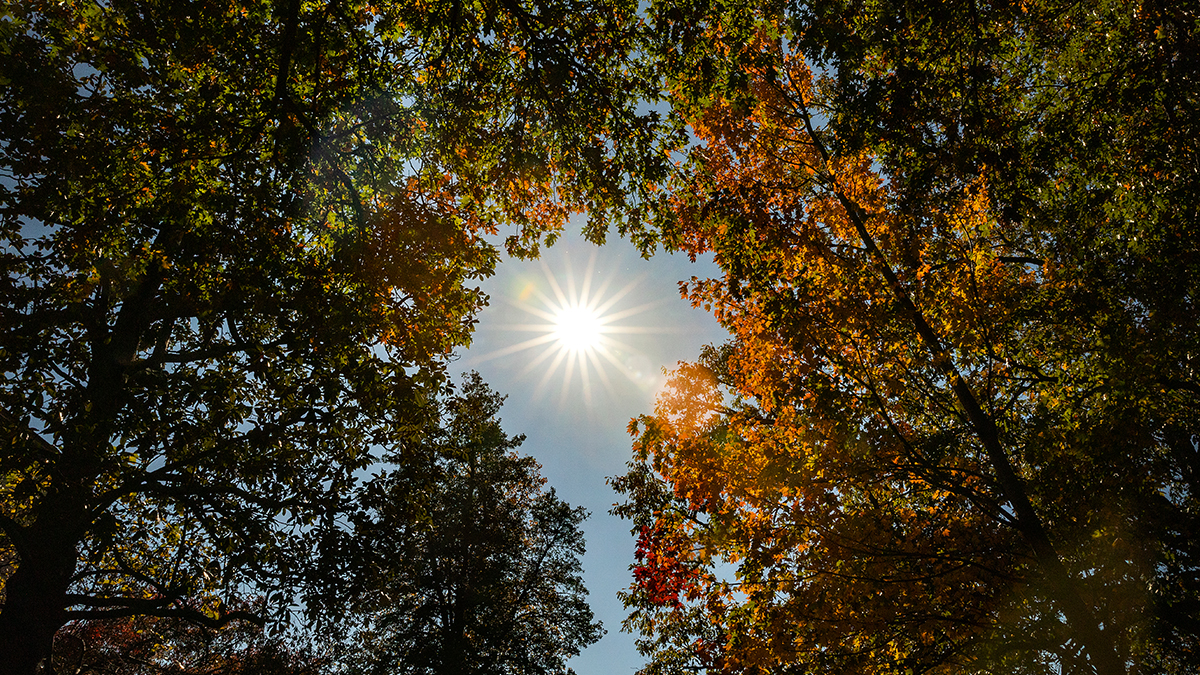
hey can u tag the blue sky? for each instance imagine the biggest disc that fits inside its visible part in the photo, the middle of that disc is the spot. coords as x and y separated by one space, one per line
577 433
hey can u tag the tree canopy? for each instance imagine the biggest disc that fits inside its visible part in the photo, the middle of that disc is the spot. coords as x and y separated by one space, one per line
239 241
954 430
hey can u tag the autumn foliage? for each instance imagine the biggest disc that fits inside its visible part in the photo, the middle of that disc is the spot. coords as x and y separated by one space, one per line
953 428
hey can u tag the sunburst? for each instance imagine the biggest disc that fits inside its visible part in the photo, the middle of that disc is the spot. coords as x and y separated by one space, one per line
581 330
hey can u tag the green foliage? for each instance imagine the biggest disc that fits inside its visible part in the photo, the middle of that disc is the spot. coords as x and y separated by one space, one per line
239 241
462 562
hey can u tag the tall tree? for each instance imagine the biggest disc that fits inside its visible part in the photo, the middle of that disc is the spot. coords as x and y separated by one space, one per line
955 428
238 238
464 562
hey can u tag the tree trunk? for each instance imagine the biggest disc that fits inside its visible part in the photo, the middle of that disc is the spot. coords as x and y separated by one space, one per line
35 599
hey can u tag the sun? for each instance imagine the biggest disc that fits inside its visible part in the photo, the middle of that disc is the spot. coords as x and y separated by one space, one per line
578 328
581 325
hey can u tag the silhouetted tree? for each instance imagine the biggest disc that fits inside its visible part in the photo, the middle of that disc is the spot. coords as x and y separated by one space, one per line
465 564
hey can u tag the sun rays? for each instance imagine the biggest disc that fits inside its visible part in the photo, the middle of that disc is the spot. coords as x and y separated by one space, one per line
584 331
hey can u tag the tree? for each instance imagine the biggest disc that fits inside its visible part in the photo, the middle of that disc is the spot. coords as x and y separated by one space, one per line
463 562
954 428
238 242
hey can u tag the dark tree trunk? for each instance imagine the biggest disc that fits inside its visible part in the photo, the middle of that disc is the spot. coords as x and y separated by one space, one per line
35 599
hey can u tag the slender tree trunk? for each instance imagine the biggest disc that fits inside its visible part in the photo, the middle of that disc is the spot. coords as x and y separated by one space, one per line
454 647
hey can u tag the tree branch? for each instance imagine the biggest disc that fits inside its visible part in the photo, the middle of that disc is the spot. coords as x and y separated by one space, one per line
126 607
